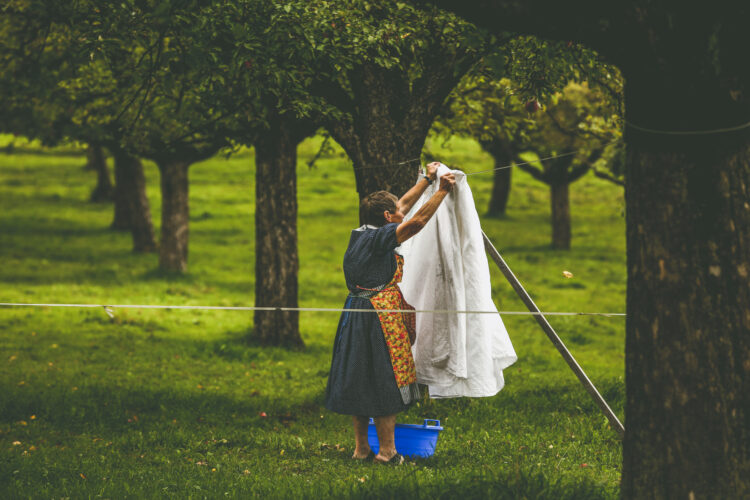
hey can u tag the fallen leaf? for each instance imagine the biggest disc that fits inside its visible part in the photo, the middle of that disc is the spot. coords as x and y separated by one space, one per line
22 382
22 422
567 274
74 388
361 480
53 346
16 443
246 472
32 448
263 414
82 475
33 417
12 358
584 465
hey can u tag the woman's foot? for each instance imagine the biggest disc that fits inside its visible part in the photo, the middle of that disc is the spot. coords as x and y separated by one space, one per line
394 459
359 455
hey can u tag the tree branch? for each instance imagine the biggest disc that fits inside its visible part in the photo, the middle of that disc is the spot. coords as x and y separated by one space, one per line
609 177
536 173
600 25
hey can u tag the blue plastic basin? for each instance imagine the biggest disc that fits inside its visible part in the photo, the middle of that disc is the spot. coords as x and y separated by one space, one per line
411 440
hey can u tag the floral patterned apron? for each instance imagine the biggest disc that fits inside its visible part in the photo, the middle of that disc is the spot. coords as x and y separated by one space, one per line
396 333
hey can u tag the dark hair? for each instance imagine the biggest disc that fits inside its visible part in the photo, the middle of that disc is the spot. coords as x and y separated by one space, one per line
373 205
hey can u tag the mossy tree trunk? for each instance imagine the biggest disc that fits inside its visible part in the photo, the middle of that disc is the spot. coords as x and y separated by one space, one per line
276 258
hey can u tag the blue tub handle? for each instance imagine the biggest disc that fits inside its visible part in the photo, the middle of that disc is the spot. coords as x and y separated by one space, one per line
436 424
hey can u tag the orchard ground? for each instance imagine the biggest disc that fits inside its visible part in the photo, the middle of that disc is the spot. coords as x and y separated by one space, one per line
175 403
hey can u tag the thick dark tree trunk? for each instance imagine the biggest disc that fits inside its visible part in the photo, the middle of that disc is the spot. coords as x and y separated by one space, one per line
688 341
502 177
384 151
560 212
383 134
132 209
500 191
276 261
98 162
175 215
688 232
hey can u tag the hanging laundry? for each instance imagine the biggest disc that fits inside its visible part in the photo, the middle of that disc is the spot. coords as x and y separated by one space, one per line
456 355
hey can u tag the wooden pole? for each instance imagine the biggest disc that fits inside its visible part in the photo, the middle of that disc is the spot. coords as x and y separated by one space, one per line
521 291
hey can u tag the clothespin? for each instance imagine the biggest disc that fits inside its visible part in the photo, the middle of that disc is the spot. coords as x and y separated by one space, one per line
109 312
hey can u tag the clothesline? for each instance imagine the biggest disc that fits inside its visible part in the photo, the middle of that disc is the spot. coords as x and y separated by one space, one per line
628 123
110 307
497 168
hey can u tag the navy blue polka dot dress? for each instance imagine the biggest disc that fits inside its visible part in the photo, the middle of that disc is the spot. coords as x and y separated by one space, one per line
361 380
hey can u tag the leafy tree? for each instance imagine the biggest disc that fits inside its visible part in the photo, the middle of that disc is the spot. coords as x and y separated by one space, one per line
575 127
492 112
688 225
497 112
384 69
37 50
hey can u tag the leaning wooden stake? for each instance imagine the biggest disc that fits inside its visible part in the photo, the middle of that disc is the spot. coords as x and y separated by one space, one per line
521 291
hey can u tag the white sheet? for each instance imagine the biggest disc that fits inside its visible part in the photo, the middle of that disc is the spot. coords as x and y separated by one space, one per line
445 267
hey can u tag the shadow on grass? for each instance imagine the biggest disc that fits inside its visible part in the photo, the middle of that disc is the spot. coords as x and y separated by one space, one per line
505 484
111 409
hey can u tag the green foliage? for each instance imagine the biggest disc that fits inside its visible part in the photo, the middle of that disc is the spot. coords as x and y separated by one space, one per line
198 390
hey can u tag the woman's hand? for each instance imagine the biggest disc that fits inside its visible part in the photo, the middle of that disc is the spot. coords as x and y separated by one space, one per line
447 182
432 169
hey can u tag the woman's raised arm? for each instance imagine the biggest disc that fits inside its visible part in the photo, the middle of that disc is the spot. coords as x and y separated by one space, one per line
410 198
409 228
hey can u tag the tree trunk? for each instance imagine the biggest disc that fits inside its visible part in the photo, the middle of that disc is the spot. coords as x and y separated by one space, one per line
175 215
501 177
560 208
276 261
132 210
688 329
500 191
384 133
98 162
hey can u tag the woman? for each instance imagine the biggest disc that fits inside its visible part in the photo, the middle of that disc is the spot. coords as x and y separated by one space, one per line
372 370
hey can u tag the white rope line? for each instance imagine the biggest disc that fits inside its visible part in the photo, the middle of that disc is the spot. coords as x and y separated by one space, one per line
383 167
688 132
538 160
110 307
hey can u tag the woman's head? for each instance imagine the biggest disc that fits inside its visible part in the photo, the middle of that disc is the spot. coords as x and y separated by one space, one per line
379 208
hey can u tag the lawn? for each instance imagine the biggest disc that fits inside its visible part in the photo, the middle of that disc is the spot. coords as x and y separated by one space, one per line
178 403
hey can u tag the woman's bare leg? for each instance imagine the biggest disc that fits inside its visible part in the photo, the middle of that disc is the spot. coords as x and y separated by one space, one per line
360 437
385 427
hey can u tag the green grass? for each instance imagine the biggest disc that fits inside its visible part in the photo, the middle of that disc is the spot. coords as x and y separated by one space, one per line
167 403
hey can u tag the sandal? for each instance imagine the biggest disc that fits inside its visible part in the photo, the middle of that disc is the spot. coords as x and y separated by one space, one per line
396 459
